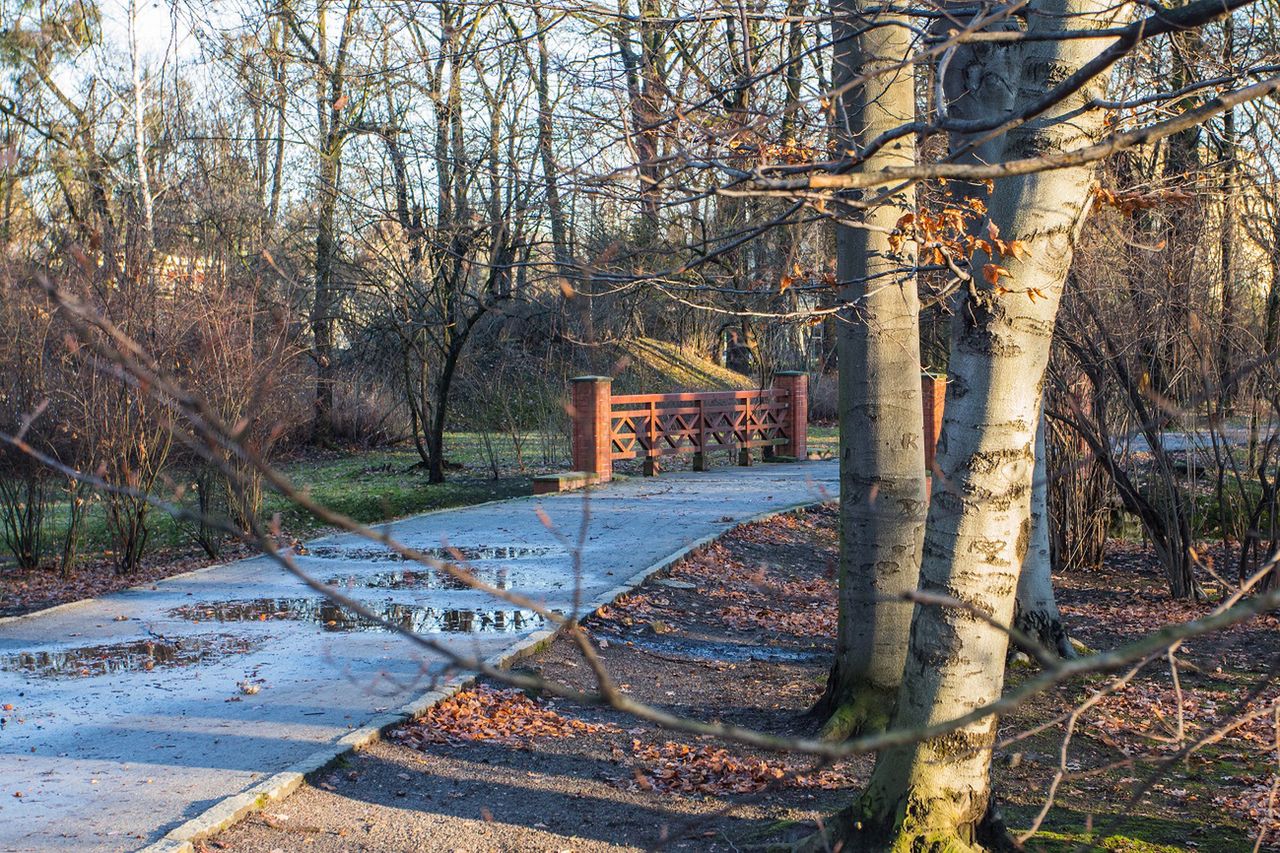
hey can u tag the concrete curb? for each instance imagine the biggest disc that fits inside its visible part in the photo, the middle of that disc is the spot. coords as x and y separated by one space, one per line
231 810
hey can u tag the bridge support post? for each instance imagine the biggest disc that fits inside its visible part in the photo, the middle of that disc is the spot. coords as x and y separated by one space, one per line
592 444
795 384
700 457
933 395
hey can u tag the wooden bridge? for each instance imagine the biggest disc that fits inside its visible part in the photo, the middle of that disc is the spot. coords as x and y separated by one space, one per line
608 428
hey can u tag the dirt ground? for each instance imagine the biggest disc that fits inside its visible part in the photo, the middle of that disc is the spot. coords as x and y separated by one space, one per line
740 633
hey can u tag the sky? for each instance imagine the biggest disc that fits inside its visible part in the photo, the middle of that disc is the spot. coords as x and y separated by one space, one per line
164 26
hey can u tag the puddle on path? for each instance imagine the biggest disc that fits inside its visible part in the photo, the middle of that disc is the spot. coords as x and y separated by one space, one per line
465 553
411 617
132 656
499 577
727 652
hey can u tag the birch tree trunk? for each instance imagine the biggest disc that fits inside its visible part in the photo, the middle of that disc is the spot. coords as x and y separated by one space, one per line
882 478
935 794
140 137
1036 612
546 150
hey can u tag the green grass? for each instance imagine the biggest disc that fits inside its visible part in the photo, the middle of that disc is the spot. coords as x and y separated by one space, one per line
649 366
1065 831
382 485
824 440
368 486
1095 812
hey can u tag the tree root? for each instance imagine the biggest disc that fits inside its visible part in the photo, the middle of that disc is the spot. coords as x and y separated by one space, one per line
866 711
1047 631
850 706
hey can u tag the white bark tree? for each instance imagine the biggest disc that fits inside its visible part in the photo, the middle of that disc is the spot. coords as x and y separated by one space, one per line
882 478
1036 613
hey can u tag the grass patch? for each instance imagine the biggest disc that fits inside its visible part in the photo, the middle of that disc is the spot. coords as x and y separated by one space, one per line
1066 831
382 485
659 367
824 439
368 486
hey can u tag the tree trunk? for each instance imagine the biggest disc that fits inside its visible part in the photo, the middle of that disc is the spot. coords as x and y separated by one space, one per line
435 439
323 302
139 139
546 152
330 101
882 477
936 794
643 74
1036 613
1226 244
279 80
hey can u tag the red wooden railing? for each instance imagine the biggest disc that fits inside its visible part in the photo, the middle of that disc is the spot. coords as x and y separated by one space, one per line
650 426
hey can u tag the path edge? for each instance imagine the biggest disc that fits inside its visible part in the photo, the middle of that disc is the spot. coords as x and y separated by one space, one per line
333 533
232 809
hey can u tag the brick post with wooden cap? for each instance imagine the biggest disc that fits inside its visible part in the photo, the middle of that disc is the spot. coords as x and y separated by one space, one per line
933 396
795 384
591 426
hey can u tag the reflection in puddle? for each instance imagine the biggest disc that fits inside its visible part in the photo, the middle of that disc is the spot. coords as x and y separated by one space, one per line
501 578
410 617
132 656
467 553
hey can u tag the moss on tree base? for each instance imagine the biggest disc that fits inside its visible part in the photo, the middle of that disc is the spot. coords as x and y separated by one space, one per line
913 829
865 710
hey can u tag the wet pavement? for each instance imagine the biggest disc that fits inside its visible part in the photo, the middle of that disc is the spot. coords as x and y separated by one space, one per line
122 717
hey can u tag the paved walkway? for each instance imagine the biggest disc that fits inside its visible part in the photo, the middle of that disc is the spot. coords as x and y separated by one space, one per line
135 712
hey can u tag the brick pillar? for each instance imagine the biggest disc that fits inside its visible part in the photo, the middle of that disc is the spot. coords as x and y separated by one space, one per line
933 395
592 450
795 384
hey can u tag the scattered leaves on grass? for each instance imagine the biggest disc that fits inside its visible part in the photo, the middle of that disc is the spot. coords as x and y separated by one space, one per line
721 576
1259 803
1145 714
632 608
486 714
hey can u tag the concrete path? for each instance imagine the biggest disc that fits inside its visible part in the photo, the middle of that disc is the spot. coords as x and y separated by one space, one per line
135 712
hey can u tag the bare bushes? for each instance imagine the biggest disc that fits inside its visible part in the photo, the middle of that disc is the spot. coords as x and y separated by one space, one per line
367 412
242 361
66 396
25 379
1079 491
517 405
1143 397
824 397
